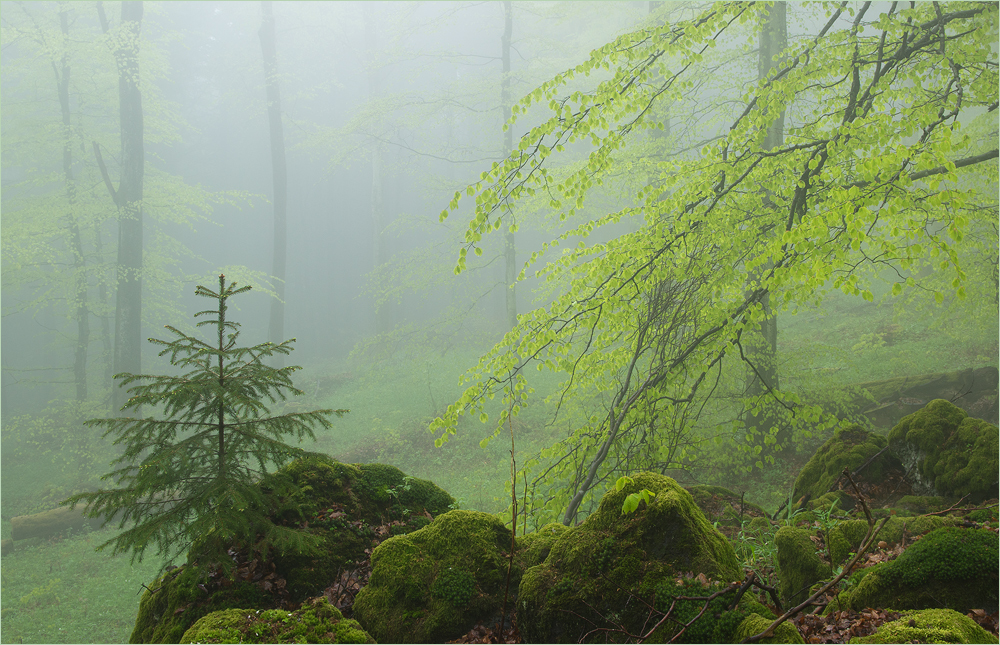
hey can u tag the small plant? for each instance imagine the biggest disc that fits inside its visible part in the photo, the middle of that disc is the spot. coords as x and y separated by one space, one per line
631 502
395 492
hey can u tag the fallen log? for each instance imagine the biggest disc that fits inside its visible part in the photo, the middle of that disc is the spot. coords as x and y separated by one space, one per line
50 523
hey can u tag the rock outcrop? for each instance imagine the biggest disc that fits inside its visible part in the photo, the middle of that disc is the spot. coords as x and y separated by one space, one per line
595 571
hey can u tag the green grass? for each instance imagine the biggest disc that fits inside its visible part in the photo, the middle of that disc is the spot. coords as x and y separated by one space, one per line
60 590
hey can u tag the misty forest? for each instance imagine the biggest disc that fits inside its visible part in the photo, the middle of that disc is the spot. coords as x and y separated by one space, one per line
277 273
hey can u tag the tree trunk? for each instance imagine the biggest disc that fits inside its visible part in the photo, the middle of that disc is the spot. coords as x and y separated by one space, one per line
509 249
763 348
128 301
378 224
279 171
76 242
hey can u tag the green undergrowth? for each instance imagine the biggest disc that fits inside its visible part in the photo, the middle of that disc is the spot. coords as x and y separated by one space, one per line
75 595
61 591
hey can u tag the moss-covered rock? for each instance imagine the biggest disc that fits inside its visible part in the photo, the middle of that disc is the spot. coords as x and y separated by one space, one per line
593 570
723 505
534 547
337 503
317 621
434 584
755 624
845 537
948 453
949 567
799 565
175 601
849 448
929 626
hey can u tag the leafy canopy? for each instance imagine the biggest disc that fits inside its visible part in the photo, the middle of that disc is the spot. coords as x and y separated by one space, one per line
197 477
872 175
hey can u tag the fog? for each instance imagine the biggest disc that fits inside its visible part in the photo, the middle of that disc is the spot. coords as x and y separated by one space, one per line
387 112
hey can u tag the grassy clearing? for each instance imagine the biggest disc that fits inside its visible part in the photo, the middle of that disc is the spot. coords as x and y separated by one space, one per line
61 591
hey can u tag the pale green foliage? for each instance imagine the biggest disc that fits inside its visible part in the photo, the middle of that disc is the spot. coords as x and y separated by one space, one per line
196 477
868 177
632 499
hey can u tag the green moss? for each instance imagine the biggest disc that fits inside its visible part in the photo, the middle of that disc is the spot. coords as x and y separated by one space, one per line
177 602
983 515
799 565
717 624
755 624
929 626
968 463
455 586
594 569
949 567
316 622
723 505
326 489
951 454
848 448
433 584
411 493
535 547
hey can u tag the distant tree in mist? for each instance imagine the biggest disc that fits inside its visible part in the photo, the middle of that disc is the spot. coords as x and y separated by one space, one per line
279 172
60 227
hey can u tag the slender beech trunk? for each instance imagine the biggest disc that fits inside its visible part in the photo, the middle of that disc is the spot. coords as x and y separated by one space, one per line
76 242
279 172
128 301
764 348
378 224
509 248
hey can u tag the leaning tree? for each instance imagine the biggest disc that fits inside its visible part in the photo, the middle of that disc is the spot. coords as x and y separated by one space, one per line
890 126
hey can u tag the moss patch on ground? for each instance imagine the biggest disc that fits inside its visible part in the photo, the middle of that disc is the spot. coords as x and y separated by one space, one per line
929 626
799 565
755 624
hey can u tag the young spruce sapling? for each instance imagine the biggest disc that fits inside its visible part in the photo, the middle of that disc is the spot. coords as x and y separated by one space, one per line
192 477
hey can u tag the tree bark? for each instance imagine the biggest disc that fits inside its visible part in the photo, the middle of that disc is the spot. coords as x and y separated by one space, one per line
377 216
509 248
279 173
128 301
79 274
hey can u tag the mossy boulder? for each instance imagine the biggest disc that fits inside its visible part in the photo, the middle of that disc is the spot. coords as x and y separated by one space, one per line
755 624
850 448
533 548
723 505
594 570
950 567
846 537
799 564
929 626
335 502
317 621
947 452
434 584
176 600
